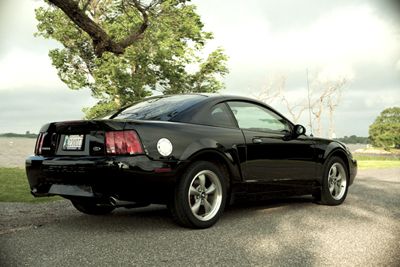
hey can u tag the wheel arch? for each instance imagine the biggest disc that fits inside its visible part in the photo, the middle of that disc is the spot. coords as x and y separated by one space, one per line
340 153
227 164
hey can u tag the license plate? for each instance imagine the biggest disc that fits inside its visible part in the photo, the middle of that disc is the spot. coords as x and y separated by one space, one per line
73 142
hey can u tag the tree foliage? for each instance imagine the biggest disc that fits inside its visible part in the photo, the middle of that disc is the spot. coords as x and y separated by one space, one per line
166 56
385 131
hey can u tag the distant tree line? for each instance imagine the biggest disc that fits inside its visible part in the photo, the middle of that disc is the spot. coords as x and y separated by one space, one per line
26 135
353 139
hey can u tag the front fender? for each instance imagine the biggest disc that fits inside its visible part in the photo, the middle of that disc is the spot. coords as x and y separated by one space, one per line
329 148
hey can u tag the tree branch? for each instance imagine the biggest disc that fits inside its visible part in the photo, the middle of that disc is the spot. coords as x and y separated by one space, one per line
138 34
102 42
85 6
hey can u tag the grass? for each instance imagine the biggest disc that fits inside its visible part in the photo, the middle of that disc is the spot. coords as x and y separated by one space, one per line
14 187
377 162
361 157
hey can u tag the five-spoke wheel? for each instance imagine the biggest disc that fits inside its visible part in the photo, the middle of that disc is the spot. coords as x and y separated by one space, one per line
334 182
199 196
337 181
205 195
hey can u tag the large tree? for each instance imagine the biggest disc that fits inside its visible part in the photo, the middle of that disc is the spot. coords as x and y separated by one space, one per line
385 131
124 50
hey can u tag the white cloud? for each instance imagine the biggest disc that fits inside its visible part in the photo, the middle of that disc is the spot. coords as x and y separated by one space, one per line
24 69
346 34
343 36
25 62
336 71
398 65
377 99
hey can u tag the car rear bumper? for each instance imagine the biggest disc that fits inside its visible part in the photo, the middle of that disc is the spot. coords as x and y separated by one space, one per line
133 178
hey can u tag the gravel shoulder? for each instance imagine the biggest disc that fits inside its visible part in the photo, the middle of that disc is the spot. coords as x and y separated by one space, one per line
364 231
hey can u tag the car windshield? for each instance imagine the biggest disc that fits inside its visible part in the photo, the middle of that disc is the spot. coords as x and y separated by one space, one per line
161 108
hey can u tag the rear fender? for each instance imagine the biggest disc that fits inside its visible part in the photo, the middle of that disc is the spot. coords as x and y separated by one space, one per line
208 149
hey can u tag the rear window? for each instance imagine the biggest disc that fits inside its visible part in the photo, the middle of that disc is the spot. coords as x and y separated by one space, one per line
161 108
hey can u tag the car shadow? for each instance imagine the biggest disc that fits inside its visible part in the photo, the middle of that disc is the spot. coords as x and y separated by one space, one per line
158 217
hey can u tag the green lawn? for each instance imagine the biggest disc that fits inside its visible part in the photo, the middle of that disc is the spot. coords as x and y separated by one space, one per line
361 157
14 187
378 164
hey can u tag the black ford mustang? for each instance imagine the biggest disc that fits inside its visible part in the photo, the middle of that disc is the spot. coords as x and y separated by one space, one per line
192 152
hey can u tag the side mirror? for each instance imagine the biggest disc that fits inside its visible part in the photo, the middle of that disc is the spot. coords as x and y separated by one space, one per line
299 130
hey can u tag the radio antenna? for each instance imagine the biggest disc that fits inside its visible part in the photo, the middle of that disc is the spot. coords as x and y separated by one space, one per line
309 106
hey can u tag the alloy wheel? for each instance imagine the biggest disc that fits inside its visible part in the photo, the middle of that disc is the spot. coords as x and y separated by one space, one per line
337 181
205 195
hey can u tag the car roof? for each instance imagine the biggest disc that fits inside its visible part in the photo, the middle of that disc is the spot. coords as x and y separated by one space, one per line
214 98
224 97
209 100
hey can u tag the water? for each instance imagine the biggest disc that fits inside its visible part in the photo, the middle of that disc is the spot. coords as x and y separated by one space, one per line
14 151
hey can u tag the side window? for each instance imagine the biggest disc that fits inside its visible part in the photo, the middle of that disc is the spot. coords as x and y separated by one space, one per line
220 116
257 118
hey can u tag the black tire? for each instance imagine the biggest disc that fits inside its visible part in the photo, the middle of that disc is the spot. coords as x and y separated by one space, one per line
91 207
333 191
183 200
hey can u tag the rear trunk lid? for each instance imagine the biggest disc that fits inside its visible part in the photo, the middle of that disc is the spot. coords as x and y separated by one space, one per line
75 138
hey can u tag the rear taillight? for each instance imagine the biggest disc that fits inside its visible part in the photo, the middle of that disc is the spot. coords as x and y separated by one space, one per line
39 143
123 142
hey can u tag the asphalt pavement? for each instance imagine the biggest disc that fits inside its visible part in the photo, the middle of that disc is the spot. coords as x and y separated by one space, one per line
364 231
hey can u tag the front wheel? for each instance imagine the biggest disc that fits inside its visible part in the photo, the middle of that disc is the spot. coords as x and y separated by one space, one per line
335 182
200 196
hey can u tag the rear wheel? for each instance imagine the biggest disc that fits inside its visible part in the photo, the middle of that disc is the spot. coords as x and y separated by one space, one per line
200 196
91 207
335 183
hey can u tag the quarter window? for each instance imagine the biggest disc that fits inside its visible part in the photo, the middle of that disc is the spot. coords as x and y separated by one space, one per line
257 118
220 116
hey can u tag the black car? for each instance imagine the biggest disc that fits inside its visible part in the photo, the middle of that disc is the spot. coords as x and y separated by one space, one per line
193 152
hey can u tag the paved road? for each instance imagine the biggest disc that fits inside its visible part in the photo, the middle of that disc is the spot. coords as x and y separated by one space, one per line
364 231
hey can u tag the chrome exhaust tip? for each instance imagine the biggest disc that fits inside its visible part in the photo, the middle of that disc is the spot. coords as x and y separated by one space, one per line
118 203
127 204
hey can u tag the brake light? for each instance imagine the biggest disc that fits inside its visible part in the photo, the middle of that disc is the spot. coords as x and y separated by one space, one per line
39 143
123 142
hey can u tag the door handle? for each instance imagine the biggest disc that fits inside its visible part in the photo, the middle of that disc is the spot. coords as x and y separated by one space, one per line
257 141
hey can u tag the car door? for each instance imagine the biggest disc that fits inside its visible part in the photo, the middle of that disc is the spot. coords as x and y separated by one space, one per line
272 154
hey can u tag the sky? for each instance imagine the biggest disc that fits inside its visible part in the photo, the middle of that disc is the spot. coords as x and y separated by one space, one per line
358 40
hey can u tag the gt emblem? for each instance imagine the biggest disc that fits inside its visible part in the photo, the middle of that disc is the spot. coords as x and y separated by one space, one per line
96 148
